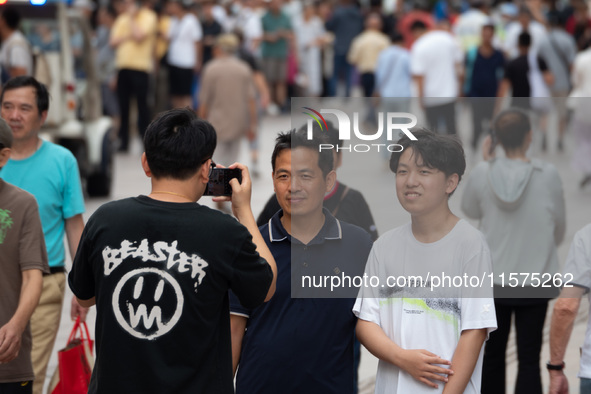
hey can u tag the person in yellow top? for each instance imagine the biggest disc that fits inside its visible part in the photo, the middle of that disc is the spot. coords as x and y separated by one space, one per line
133 36
363 54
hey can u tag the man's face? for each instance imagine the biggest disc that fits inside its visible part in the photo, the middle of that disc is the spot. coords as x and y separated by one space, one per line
20 111
421 190
299 183
487 34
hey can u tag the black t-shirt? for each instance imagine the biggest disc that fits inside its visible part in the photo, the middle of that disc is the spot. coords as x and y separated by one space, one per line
160 273
346 204
211 29
516 72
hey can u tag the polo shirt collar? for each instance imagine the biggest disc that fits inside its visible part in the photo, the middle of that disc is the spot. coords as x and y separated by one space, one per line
331 230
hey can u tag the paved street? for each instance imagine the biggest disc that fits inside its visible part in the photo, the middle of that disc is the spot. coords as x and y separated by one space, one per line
130 181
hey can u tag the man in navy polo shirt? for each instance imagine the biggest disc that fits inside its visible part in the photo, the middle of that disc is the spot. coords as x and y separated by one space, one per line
302 339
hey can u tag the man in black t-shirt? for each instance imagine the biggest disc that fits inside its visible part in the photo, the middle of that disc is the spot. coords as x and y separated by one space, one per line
528 76
521 72
159 268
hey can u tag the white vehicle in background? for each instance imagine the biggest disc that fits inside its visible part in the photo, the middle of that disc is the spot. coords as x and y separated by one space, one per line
65 61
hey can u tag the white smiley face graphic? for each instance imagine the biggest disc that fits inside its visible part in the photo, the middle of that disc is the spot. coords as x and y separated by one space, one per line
140 311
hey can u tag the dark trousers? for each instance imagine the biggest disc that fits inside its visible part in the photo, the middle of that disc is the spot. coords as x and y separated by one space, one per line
132 83
445 113
481 110
368 83
529 325
16 388
341 68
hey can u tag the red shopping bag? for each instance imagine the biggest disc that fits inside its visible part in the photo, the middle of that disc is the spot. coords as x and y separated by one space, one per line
75 363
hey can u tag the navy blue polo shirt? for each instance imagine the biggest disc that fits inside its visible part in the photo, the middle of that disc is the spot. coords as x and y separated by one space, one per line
304 345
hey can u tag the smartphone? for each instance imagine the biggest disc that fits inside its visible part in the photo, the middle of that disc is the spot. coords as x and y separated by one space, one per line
219 181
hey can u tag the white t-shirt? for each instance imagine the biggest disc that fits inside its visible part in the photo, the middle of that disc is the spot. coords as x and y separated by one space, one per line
434 324
436 56
183 35
15 52
578 263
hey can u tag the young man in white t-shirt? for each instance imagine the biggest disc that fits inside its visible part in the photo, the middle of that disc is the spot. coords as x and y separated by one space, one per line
427 341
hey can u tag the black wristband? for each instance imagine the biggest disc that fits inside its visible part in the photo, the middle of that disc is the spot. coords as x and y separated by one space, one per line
554 367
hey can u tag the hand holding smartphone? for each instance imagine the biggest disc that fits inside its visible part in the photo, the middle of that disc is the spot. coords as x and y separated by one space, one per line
219 181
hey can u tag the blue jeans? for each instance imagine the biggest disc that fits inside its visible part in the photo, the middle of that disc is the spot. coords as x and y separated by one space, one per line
585 386
341 67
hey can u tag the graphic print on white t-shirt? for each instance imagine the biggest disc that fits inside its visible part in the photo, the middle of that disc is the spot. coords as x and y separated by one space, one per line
148 302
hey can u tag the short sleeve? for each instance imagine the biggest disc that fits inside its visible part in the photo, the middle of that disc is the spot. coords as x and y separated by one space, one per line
478 313
251 275
151 22
73 200
417 65
19 56
117 29
367 305
542 64
32 250
197 31
81 278
236 307
578 261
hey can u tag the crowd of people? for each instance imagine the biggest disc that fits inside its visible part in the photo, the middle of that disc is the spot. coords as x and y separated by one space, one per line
166 54
533 51
199 299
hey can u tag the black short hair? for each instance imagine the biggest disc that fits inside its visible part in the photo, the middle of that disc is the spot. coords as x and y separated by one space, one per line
11 17
396 37
298 139
524 40
511 126
177 143
25 81
442 152
418 25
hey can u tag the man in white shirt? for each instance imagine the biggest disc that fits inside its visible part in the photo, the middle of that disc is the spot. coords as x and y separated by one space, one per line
438 87
184 52
15 54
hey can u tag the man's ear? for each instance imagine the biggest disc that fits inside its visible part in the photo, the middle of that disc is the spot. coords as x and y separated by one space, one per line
4 156
146 166
331 179
43 117
204 171
452 183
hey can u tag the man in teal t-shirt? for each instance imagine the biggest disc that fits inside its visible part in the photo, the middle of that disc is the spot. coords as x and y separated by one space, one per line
50 173
277 35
